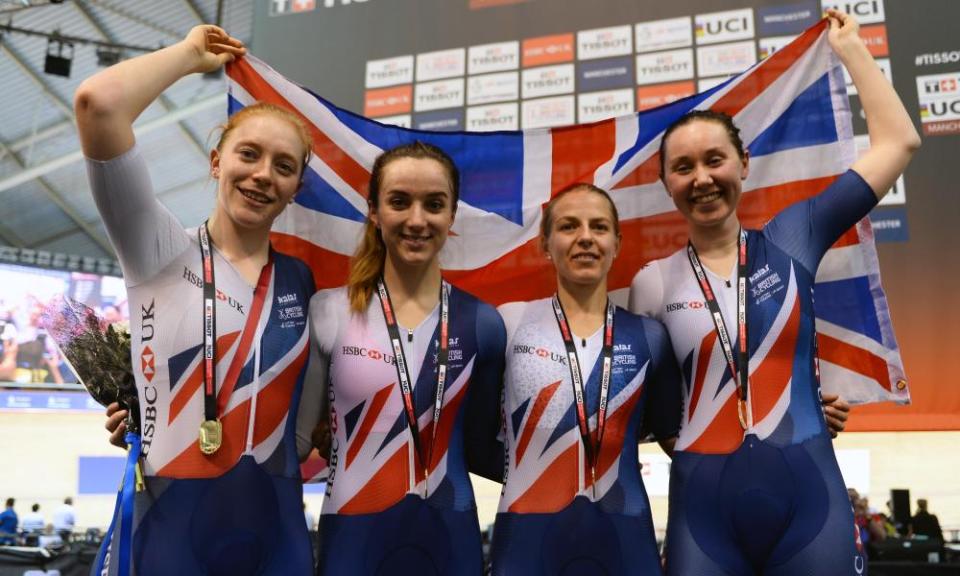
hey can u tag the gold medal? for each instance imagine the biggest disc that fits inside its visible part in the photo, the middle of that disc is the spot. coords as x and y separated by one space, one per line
211 436
742 413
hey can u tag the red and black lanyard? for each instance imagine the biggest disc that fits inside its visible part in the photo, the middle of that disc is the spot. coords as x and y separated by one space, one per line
211 430
591 451
739 368
403 374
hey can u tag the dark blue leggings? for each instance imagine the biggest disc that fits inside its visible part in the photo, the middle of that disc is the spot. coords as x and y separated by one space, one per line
761 510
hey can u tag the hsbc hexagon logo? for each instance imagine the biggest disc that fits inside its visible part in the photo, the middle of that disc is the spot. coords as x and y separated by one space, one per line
148 363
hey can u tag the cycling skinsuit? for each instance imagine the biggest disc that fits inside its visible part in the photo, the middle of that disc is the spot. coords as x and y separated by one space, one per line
239 510
769 500
380 516
550 520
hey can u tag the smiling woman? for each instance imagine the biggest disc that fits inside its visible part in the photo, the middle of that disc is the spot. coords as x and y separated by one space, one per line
222 491
412 365
584 382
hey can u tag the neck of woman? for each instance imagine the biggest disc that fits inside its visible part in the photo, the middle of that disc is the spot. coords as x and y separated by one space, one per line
584 305
718 241
414 291
239 245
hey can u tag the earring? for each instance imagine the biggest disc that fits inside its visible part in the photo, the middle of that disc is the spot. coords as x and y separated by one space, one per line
215 173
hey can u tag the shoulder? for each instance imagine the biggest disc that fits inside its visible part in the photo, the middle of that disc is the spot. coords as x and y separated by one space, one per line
294 267
639 325
486 317
517 313
649 284
328 309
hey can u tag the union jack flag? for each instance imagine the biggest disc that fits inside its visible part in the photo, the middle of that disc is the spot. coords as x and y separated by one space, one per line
794 116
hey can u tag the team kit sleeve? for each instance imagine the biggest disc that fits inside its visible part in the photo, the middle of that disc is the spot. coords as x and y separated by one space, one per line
807 229
314 403
145 235
485 451
646 291
664 403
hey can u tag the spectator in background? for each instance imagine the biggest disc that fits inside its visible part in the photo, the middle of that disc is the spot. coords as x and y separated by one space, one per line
32 522
39 358
64 519
308 517
49 538
8 524
8 350
924 523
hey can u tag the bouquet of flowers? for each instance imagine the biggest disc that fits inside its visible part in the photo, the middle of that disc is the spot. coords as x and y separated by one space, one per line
99 354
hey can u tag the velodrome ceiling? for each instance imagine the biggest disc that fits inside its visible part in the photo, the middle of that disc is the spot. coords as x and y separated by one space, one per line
45 202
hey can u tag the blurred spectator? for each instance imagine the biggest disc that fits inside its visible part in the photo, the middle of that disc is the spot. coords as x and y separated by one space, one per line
64 519
49 538
8 350
8 524
924 523
32 522
310 520
38 357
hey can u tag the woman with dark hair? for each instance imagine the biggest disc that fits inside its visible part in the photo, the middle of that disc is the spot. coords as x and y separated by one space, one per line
585 381
411 366
755 487
218 351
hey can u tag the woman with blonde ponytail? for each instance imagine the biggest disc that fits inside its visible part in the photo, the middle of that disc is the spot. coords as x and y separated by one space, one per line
411 366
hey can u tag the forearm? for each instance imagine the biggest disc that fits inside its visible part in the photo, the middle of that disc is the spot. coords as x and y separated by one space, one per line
893 138
888 122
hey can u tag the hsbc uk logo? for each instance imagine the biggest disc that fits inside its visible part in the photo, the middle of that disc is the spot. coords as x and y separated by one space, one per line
680 306
148 363
541 353
369 353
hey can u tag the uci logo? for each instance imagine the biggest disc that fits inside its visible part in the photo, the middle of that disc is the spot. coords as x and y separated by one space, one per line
732 25
867 11
940 108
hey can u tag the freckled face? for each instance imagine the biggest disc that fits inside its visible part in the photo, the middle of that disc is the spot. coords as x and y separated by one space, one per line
258 170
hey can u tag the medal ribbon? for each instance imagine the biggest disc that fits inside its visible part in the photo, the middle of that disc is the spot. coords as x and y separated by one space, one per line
576 376
739 368
209 327
403 374
210 406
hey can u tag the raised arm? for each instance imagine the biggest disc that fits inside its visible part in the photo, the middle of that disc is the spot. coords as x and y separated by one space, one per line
108 102
893 138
